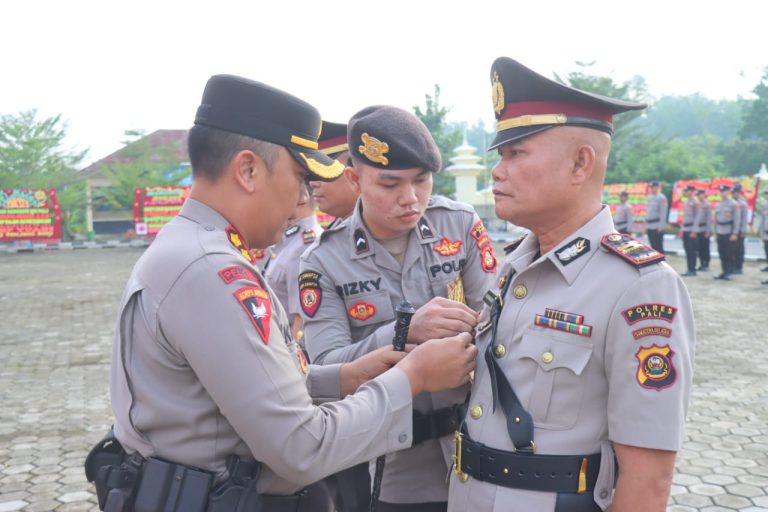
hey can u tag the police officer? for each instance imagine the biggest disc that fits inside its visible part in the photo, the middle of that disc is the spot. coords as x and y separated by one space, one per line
738 196
283 270
400 243
587 345
205 377
623 217
336 197
703 225
727 221
656 217
688 229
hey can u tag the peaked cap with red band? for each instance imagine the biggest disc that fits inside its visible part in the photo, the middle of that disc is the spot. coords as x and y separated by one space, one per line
333 139
526 103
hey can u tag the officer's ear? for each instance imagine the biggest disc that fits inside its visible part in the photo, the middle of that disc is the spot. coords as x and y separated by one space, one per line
352 174
248 169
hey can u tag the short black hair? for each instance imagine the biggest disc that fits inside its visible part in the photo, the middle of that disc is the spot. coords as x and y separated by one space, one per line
211 149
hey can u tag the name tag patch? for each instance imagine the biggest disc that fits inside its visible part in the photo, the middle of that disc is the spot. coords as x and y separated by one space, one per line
654 330
649 312
236 272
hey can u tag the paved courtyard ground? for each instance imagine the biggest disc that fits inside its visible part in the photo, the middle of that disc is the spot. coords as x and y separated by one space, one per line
57 312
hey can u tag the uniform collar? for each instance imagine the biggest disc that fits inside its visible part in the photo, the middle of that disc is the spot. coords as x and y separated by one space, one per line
203 214
575 249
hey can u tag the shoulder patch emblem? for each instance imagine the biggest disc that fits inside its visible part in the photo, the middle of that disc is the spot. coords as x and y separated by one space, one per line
483 241
631 249
361 241
654 330
255 301
308 236
362 311
310 292
373 149
425 231
292 230
655 369
572 250
649 312
238 243
448 248
236 272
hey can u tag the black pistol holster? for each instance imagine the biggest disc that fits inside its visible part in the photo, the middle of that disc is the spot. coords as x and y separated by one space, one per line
114 473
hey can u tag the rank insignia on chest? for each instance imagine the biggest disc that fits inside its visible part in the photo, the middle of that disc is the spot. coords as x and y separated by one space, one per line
571 251
238 243
655 368
425 232
310 293
362 311
448 248
562 321
631 249
308 236
361 241
255 301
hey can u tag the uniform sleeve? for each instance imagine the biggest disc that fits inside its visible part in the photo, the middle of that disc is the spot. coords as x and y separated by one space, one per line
479 273
649 362
327 334
663 211
293 306
241 358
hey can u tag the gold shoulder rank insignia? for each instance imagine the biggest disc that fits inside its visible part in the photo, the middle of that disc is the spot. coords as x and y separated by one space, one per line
630 249
497 94
374 149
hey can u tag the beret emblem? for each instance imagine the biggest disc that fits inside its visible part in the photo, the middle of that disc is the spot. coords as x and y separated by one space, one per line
497 94
374 149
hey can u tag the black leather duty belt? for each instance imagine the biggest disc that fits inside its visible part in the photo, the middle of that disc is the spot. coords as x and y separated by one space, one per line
435 424
687 225
548 473
652 220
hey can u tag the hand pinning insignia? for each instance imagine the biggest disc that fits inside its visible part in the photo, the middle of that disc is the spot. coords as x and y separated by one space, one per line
374 149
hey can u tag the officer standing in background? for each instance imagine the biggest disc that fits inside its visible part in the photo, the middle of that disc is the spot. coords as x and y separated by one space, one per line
623 217
738 196
283 270
337 197
688 229
206 379
399 244
703 226
656 217
587 343
727 221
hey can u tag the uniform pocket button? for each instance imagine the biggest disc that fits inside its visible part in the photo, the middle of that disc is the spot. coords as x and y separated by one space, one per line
402 437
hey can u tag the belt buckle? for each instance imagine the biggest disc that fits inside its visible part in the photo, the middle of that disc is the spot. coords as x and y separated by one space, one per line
457 441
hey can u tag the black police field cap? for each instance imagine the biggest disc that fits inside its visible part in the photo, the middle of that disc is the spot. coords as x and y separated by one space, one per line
689 188
655 183
391 138
624 193
526 103
724 187
238 105
737 187
333 139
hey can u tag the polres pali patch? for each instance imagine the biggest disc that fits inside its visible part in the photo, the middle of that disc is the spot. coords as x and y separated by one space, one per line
649 311
255 301
310 293
655 369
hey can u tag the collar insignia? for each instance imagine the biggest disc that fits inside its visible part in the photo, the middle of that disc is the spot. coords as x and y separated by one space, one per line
424 230
361 241
292 230
572 250
631 250
374 149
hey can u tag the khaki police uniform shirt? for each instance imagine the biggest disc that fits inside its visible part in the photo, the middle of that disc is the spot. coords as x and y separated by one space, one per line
623 217
690 214
283 271
350 287
727 217
703 222
593 389
656 212
744 214
203 366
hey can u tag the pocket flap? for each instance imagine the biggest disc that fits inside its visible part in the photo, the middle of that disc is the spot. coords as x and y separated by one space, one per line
551 353
372 308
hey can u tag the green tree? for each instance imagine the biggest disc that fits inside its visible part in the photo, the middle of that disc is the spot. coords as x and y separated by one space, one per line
756 112
139 164
433 116
33 155
692 115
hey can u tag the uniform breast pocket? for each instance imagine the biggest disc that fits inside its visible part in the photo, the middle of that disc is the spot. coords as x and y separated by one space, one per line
370 309
558 387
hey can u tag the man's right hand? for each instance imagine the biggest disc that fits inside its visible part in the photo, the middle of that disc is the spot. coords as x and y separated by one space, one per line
440 318
440 364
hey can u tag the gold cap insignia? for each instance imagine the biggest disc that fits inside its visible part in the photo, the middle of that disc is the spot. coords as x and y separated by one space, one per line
374 149
497 94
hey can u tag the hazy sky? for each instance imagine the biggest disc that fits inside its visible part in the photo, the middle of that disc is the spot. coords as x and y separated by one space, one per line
111 66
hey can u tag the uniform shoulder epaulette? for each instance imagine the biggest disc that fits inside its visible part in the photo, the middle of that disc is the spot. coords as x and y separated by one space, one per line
335 227
631 250
514 245
450 204
292 230
308 236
